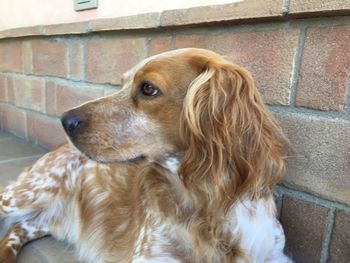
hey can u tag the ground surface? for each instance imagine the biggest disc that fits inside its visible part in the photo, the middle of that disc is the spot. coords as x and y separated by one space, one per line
15 154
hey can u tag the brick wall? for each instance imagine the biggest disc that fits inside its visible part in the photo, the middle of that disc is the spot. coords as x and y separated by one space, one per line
297 51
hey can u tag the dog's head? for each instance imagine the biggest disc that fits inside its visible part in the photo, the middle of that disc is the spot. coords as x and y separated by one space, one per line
191 101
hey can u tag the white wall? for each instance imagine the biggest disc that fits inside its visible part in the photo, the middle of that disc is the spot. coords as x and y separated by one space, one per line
23 13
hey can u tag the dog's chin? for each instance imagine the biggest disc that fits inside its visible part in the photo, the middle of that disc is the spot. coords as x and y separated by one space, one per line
106 159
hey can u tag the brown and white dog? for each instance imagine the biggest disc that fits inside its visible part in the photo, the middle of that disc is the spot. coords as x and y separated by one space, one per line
178 166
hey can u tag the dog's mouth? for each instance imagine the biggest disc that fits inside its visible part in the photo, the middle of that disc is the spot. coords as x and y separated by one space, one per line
135 159
100 159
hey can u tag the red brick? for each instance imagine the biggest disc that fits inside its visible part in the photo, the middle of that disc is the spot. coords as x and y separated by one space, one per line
49 58
10 56
268 55
160 44
10 90
3 89
304 225
325 68
317 7
76 61
108 59
68 97
45 131
340 241
319 162
13 120
239 10
28 93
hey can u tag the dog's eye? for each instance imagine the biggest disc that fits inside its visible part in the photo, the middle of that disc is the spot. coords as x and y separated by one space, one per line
149 90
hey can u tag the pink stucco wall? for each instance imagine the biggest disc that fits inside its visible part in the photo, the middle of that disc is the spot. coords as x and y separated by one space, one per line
22 13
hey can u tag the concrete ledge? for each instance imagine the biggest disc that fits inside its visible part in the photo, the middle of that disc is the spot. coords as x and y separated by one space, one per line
304 8
239 12
142 21
245 10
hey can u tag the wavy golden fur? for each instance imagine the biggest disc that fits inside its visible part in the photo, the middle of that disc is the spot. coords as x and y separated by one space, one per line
187 159
230 136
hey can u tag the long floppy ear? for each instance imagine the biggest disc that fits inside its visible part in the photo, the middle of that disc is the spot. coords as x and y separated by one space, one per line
234 146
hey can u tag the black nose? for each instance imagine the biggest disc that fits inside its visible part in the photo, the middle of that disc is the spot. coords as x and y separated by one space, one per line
71 122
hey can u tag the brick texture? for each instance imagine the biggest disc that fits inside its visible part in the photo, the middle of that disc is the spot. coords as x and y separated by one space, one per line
68 97
28 93
49 58
241 10
108 59
268 55
27 57
50 97
60 98
45 131
304 225
325 68
320 161
340 242
10 56
160 44
13 120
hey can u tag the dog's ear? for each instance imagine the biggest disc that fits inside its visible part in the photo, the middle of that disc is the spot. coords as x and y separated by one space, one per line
232 142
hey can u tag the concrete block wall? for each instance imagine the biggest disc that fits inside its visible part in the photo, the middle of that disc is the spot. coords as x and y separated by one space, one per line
297 51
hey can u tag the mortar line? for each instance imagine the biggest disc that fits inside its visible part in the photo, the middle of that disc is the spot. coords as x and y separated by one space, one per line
296 67
6 90
308 197
83 51
55 98
173 39
43 96
26 133
285 7
31 64
61 80
327 236
68 58
347 97
301 111
147 46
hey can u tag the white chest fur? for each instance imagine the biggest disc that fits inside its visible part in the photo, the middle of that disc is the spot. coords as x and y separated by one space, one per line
262 237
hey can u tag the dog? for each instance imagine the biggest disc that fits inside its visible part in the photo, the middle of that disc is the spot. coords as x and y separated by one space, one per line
177 166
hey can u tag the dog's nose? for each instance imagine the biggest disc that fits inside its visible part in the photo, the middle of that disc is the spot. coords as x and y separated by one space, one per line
71 122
